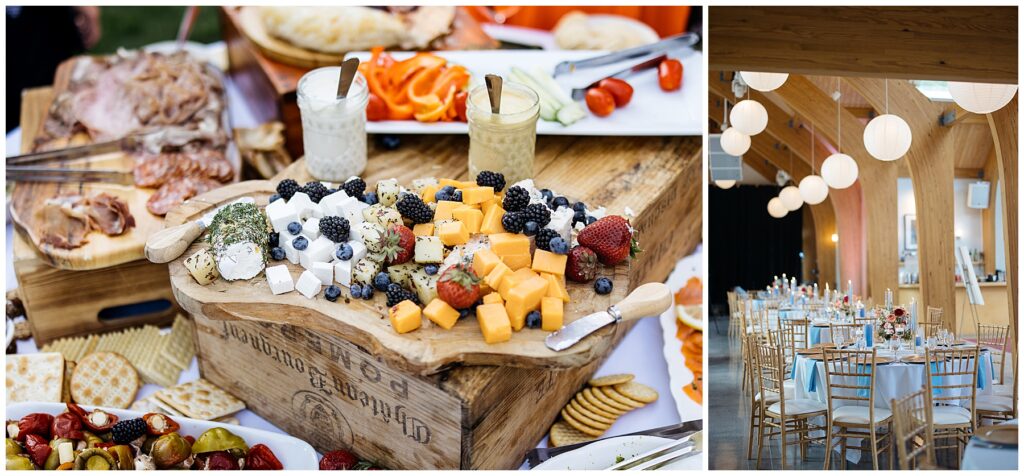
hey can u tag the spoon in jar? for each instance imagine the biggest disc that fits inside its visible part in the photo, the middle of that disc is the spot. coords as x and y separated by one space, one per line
348 73
494 92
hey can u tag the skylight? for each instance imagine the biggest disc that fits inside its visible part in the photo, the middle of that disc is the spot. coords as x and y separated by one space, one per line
934 90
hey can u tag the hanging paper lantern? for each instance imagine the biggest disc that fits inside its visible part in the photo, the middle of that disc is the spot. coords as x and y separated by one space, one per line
776 209
887 137
981 98
791 198
813 189
725 184
764 81
735 142
749 117
839 170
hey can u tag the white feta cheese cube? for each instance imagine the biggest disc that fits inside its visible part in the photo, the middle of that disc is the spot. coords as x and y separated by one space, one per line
343 272
318 251
561 222
289 249
304 205
65 452
429 249
308 284
352 211
311 229
281 214
599 213
280 279
325 272
329 204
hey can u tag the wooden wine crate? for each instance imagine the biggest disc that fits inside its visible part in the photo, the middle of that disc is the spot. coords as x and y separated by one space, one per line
319 386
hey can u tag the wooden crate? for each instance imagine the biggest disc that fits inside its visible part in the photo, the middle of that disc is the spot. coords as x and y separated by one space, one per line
320 387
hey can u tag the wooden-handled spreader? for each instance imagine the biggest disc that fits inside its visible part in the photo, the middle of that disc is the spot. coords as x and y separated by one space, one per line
650 299
167 244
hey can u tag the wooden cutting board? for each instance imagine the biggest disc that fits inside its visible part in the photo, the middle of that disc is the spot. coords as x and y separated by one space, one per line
366 323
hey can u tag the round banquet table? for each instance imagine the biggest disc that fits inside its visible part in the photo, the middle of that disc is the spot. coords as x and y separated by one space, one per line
980 455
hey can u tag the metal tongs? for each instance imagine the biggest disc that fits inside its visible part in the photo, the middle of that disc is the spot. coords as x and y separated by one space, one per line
578 94
670 43
37 166
686 447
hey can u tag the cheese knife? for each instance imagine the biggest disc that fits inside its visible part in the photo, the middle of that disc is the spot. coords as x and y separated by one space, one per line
169 243
650 299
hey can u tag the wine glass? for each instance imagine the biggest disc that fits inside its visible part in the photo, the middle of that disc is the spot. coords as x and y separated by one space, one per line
859 334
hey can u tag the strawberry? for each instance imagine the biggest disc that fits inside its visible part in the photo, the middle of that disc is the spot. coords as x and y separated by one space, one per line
611 238
581 265
459 286
397 243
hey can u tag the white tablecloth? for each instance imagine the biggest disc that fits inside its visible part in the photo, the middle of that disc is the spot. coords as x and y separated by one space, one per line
978 455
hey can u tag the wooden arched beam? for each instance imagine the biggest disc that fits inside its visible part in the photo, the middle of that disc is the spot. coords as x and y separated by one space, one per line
1003 124
931 161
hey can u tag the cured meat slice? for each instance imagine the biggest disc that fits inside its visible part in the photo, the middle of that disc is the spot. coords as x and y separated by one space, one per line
63 222
173 193
110 214
154 170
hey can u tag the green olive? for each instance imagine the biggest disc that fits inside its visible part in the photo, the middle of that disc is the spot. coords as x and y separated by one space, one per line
91 439
95 459
220 439
53 460
169 450
13 448
123 455
19 463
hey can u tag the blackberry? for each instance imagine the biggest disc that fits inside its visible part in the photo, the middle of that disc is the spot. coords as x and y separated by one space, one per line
445 194
513 222
559 202
277 253
516 198
332 293
335 229
286 188
602 285
381 281
544 237
539 213
533 320
491 179
530 228
413 208
127 431
354 187
369 198
396 294
273 239
316 191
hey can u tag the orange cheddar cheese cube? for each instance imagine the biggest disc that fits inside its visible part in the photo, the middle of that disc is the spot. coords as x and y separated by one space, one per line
484 261
513 279
548 262
487 205
423 229
493 298
551 312
497 275
477 194
517 261
504 244
428 193
471 217
440 313
556 287
453 233
523 298
494 323
444 210
405 316
491 224
456 183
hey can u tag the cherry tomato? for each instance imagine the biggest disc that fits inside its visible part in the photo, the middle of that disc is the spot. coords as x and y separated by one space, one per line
261 458
670 75
600 101
67 425
338 460
460 105
620 90
35 424
376 109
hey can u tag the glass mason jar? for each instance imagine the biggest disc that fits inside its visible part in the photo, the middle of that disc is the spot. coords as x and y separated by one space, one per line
503 142
333 130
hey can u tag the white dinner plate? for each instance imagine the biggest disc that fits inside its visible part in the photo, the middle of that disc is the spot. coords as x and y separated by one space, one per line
652 112
603 454
292 452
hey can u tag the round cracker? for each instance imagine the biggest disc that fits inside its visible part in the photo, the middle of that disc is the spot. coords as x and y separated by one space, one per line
582 403
637 391
586 417
104 379
613 379
562 434
598 394
613 394
583 427
588 400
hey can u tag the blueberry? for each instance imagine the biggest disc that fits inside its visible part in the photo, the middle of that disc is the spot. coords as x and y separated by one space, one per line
591 219
603 285
370 198
445 193
465 312
388 142
559 246
367 292
430 269
579 217
274 197
547 194
381 281
559 202
332 292
579 207
533 319
300 243
457 196
277 253
274 239
531 228
357 291
294 227
344 252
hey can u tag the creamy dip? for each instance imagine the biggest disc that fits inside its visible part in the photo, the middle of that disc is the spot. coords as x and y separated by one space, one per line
333 130
503 142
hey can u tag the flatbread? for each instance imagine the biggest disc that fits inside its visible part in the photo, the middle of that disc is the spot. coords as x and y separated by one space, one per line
104 379
35 377
200 399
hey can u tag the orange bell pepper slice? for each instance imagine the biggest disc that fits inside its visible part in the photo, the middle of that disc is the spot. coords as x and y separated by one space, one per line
438 109
453 76
374 74
401 72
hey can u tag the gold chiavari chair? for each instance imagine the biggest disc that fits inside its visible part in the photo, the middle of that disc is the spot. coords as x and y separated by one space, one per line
787 416
843 333
998 407
734 318
951 377
1008 388
750 343
850 375
995 339
930 328
795 336
912 430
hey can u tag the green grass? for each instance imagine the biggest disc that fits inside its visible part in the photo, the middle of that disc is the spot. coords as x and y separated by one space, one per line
133 27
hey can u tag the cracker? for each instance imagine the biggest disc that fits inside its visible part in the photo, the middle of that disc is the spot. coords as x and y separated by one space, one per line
613 379
179 348
570 412
200 399
35 377
598 408
595 394
576 407
229 420
104 379
614 395
160 372
69 370
562 434
151 404
582 427
637 391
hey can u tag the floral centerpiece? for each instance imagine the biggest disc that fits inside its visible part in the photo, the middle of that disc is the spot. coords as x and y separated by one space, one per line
893 324
844 305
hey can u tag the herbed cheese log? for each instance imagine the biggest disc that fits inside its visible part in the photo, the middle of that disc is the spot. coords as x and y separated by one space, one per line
239 240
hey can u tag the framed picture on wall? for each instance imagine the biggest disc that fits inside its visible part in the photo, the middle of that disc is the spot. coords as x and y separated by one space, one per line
910 232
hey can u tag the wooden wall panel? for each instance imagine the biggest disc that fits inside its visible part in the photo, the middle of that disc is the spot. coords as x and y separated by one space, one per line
988 215
1004 123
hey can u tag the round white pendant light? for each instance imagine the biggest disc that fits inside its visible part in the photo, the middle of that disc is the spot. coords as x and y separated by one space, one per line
981 98
813 189
725 184
749 117
776 209
839 170
764 81
887 137
735 142
791 198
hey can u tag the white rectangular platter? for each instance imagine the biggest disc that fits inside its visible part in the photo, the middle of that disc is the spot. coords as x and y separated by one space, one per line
679 375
